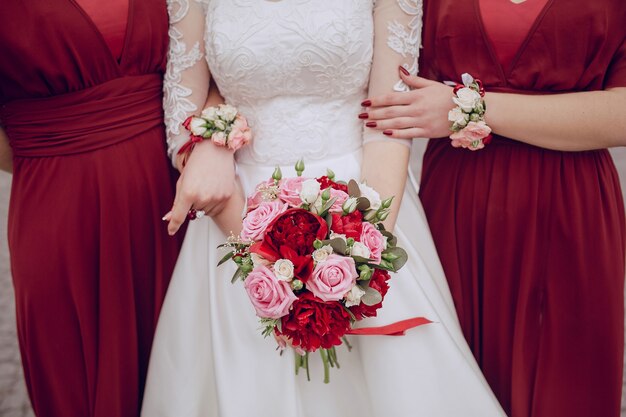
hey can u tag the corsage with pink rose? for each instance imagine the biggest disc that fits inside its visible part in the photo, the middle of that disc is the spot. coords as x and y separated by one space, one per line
468 117
315 259
223 125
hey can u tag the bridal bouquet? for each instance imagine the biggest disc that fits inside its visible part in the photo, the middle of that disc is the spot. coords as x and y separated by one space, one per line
315 259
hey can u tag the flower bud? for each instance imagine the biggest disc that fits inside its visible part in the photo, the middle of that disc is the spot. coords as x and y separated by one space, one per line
326 195
349 205
299 167
382 216
278 174
317 244
350 241
386 203
296 285
330 174
365 273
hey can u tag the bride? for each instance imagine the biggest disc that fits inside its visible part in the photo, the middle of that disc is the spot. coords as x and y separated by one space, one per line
298 70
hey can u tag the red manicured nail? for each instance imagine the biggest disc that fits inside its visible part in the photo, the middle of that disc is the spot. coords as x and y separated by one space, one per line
366 103
370 124
387 132
404 70
363 116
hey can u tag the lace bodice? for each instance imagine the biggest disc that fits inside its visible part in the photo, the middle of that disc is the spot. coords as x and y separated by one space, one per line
297 69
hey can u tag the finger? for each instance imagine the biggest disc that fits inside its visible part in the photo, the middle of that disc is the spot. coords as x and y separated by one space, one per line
214 209
395 123
179 213
412 133
391 112
414 81
167 216
389 99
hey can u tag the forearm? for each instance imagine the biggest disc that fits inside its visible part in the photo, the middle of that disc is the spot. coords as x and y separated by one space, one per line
229 220
6 155
566 122
385 169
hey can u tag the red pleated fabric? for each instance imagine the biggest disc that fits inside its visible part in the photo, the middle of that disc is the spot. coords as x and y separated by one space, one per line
90 257
533 241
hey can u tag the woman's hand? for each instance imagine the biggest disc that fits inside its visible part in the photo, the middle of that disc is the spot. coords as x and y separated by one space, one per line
419 113
207 182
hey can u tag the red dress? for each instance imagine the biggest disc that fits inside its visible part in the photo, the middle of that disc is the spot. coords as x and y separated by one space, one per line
90 257
533 241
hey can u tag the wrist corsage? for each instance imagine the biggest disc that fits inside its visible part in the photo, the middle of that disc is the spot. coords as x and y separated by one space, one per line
468 118
223 125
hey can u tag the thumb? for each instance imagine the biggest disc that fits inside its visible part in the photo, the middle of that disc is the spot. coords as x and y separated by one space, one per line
413 80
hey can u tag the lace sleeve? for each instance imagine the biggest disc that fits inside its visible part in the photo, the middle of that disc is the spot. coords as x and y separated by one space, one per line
186 83
397 38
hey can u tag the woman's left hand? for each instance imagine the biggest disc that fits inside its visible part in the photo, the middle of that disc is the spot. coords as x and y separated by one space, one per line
419 113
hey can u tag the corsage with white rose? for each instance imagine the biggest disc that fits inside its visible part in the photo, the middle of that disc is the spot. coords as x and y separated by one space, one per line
468 117
223 125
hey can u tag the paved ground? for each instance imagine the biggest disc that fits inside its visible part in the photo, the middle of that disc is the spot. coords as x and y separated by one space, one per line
13 397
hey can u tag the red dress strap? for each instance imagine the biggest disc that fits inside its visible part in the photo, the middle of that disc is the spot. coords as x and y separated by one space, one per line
507 24
111 19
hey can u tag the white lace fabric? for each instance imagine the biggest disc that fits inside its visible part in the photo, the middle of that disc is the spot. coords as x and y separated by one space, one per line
321 59
186 82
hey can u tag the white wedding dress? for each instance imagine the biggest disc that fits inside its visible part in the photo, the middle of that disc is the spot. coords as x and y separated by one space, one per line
298 70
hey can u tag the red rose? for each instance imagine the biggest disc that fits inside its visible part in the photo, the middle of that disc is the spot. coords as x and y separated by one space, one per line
312 323
379 283
291 236
326 182
350 225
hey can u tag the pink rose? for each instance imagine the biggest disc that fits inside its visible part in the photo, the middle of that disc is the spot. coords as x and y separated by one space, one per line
270 296
258 196
471 136
340 197
256 221
332 279
219 138
240 135
374 241
290 190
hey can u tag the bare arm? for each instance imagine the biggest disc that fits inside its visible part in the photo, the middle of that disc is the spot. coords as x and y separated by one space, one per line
565 122
6 155
385 162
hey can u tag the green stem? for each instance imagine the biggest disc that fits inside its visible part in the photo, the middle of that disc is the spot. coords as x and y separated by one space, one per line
298 361
324 354
306 365
348 345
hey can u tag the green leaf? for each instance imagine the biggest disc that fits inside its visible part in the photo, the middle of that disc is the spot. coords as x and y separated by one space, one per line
391 239
363 204
338 245
353 189
327 206
400 255
226 258
239 274
361 260
371 297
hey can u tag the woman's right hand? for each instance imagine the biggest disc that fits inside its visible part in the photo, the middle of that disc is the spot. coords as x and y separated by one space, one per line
207 182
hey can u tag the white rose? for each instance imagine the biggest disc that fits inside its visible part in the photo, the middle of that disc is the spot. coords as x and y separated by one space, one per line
258 260
321 254
467 79
310 191
341 236
371 194
197 126
359 249
467 99
353 297
457 116
219 124
283 268
210 113
227 112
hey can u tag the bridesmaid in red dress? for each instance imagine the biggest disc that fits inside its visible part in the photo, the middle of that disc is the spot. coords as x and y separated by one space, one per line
81 105
530 229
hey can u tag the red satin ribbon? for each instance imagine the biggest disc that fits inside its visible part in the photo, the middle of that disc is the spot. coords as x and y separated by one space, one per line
394 329
186 149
